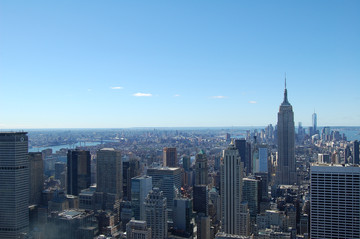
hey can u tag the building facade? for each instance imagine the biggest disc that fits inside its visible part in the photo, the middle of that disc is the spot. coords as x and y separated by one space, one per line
140 187
36 173
170 157
286 168
156 215
14 184
231 190
78 171
167 180
334 201
201 169
109 178
137 230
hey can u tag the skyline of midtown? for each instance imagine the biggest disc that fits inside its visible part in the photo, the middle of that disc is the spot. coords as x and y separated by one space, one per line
177 64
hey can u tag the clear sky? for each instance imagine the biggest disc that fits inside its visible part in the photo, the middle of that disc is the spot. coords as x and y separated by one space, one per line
106 64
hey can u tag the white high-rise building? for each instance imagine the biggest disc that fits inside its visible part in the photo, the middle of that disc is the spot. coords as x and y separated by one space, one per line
334 201
156 214
231 190
14 185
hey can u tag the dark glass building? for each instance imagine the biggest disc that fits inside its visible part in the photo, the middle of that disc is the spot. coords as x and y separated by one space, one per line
78 171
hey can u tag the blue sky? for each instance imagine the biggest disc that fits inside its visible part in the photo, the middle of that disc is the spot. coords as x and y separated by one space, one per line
105 64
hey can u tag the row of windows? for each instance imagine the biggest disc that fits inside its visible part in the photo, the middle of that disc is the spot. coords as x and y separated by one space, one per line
13 168
12 229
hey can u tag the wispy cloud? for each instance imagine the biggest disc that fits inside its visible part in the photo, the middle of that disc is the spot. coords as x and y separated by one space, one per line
252 102
116 87
218 97
142 94
176 95
89 89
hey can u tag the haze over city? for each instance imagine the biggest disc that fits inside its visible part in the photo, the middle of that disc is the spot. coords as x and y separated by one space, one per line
113 64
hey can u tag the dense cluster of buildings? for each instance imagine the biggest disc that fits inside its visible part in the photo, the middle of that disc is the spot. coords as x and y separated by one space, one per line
271 183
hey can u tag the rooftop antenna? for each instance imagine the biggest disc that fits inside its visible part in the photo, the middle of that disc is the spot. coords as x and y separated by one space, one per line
285 80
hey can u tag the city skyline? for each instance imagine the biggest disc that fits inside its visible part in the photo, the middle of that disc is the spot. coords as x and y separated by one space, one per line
178 64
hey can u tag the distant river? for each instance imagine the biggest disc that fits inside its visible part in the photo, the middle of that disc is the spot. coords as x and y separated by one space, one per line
66 146
351 133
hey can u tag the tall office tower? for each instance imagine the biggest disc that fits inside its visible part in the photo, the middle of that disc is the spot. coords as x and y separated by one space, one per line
131 168
186 163
231 190
244 219
356 152
311 131
240 145
183 214
14 184
156 215
263 158
203 226
255 158
137 229
60 173
326 134
170 157
36 173
252 195
201 199
78 171
140 187
286 169
201 169
334 201
314 122
248 164
347 154
263 178
167 180
109 177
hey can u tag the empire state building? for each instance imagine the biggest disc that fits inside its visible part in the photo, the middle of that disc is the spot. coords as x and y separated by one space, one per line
286 168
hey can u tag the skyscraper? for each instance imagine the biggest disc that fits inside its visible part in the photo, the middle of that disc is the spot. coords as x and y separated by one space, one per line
252 195
167 180
201 199
356 152
183 214
131 168
263 158
201 169
109 176
334 201
186 163
140 187
242 147
36 177
14 184
314 122
170 157
286 168
231 190
156 216
78 171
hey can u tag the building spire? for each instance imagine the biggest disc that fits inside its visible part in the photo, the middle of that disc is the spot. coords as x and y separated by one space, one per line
285 94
